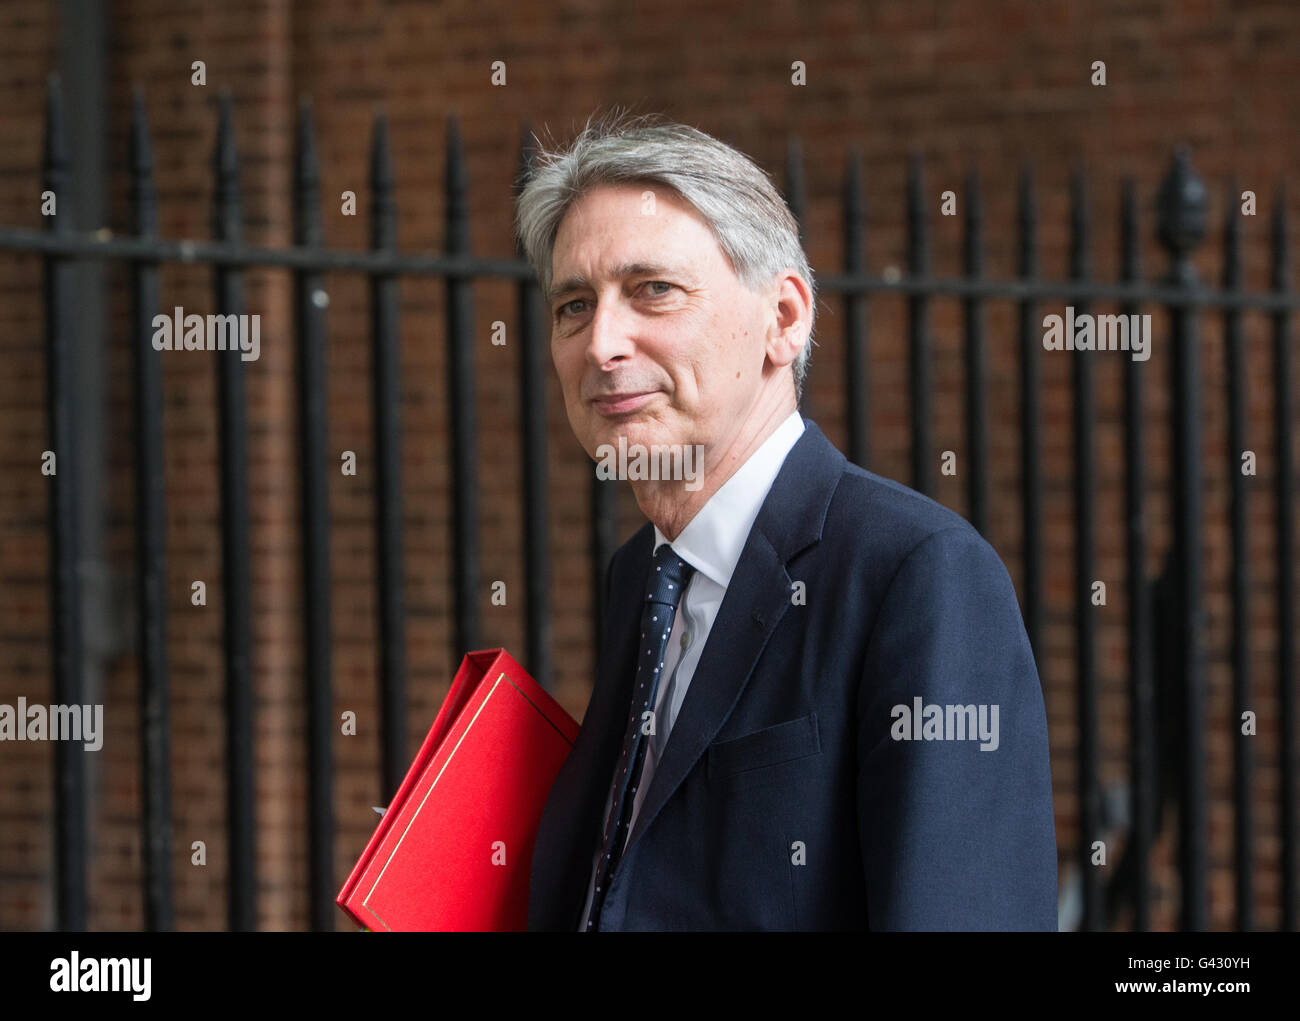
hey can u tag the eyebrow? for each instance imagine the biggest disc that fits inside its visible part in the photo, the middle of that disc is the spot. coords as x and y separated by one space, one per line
627 269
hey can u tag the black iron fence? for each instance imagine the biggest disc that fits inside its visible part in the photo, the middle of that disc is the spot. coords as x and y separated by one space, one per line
1164 628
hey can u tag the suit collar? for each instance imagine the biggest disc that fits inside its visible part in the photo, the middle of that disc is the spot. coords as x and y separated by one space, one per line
795 510
712 541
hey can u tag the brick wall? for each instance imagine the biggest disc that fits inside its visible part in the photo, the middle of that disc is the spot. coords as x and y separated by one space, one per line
981 83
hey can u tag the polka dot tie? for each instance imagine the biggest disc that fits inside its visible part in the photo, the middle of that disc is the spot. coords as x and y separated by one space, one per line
669 575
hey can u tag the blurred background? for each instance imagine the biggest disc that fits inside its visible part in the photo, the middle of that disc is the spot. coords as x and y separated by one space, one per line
347 170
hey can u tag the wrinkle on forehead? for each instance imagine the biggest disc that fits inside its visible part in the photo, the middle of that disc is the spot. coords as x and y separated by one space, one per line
683 234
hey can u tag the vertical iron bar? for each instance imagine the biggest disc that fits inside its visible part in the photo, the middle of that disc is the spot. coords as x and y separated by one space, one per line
1243 763
533 357
1085 477
229 296
68 650
1143 762
310 301
1031 459
82 63
918 264
1182 225
856 322
150 543
1284 401
977 414
460 380
795 192
385 335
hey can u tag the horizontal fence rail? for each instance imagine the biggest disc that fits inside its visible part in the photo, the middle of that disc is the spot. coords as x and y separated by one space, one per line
1165 616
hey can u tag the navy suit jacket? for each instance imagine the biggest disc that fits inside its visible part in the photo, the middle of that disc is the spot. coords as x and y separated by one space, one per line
786 797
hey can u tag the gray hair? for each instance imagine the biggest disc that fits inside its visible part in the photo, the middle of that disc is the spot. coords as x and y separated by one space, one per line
747 215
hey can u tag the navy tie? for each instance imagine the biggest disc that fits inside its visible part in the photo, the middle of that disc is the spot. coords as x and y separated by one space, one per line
669 575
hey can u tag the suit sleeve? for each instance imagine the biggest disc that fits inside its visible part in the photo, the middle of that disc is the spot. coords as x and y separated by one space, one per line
956 832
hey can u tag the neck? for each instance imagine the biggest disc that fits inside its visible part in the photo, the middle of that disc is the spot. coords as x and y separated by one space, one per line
671 506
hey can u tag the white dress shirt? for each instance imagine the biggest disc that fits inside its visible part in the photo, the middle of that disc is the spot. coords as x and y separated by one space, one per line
711 543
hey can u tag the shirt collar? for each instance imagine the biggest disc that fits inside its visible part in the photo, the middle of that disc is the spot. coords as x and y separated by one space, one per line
712 541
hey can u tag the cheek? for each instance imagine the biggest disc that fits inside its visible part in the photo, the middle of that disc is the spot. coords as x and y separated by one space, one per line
718 343
570 375
734 355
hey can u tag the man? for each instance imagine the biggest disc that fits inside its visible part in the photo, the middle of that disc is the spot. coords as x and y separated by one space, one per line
815 706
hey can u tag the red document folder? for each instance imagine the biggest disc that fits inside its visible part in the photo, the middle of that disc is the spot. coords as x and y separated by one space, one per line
454 847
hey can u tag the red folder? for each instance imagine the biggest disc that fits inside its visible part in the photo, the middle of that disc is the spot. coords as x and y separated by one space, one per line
454 847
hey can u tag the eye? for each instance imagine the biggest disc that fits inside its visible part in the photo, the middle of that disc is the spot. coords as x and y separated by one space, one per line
659 283
559 312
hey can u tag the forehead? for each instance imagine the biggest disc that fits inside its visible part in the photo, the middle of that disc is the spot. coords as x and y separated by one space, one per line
630 223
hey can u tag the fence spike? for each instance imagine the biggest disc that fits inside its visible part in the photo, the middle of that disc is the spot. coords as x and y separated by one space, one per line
457 191
227 213
1027 222
1129 238
383 197
855 212
144 195
54 164
524 173
306 180
795 190
1080 263
1279 250
917 218
1231 237
1181 213
974 233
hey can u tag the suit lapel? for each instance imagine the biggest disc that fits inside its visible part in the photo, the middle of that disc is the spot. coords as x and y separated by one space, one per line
758 596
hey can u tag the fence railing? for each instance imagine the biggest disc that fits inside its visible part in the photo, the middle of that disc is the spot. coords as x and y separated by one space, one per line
1166 658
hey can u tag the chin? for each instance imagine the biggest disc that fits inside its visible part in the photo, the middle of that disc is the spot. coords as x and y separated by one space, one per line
644 431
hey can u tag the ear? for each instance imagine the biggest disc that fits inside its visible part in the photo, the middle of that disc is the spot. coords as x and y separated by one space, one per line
792 317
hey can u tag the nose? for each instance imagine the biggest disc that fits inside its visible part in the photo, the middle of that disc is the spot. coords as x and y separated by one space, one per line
610 337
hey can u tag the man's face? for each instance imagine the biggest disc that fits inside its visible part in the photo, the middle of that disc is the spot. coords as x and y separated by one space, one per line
653 335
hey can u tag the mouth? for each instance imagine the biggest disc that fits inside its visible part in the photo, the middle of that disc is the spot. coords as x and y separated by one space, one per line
621 404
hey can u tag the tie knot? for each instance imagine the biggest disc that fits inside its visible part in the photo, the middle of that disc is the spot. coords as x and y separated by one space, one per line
669 574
